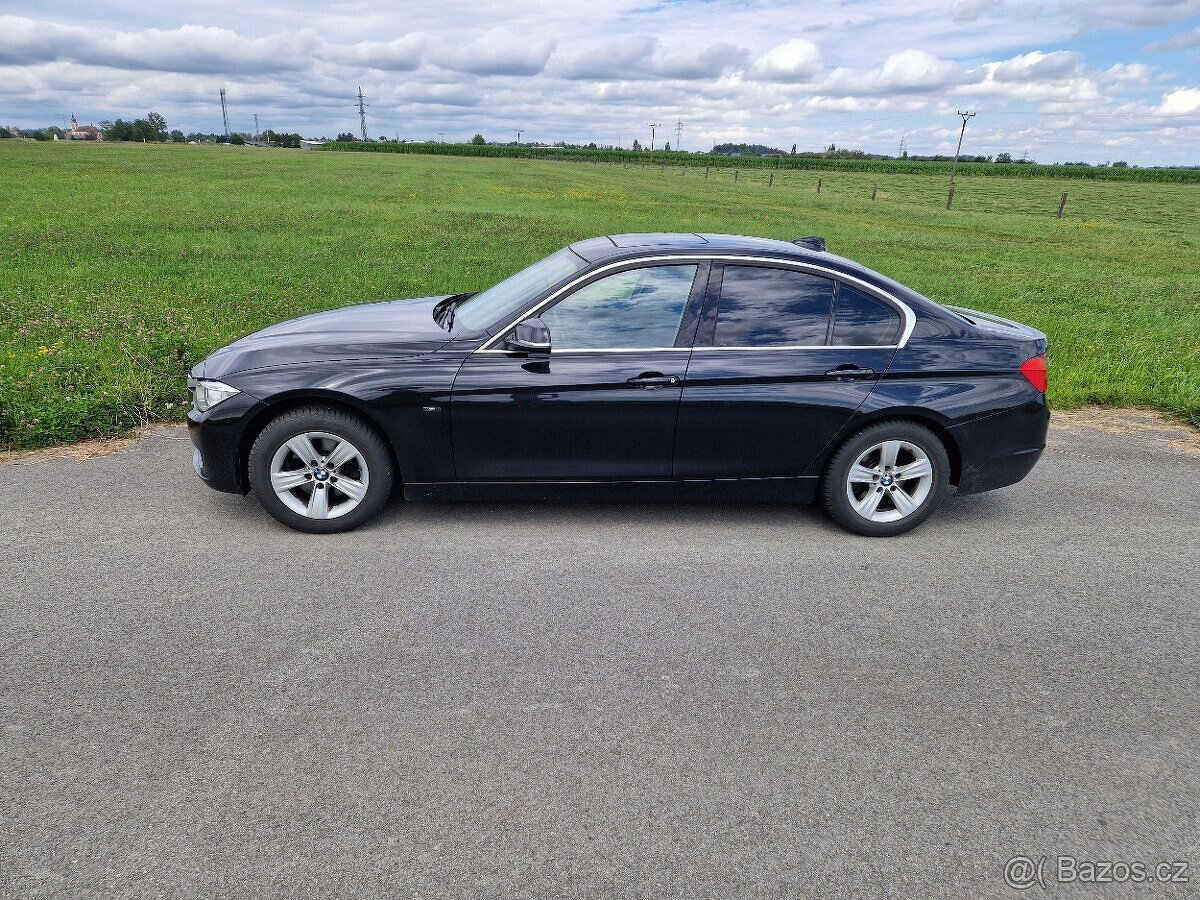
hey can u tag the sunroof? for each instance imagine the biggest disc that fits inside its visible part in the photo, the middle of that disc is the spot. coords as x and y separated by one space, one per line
657 240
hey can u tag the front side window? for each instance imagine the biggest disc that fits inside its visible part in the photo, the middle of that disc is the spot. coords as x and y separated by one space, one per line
634 309
764 307
863 321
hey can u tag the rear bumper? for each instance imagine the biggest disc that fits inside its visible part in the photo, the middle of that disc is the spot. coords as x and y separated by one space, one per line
1001 449
218 439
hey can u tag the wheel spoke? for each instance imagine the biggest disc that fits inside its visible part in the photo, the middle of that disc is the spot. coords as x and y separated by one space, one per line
303 448
285 481
318 504
903 502
919 469
867 505
342 454
355 490
860 474
888 453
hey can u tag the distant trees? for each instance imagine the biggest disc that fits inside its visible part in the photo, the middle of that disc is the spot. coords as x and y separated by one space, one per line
478 139
636 144
1120 164
668 146
177 136
153 128
1003 157
346 138
276 139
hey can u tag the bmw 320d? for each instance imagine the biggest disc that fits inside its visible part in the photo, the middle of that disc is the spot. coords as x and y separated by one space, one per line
631 366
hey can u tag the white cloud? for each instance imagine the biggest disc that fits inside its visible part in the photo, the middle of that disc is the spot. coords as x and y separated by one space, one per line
1180 100
796 60
1185 40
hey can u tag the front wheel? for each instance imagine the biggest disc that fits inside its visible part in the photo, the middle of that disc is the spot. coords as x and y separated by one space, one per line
320 470
886 479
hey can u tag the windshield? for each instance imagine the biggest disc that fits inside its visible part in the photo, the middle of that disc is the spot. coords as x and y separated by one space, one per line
499 302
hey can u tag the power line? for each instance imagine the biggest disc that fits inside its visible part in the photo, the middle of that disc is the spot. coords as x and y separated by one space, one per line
362 113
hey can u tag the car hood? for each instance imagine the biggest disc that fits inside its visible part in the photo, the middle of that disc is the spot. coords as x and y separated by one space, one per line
368 330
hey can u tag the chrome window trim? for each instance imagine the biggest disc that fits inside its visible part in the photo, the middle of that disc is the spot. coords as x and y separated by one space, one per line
906 313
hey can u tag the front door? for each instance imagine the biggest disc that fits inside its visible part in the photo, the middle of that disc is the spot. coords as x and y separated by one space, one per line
777 371
603 404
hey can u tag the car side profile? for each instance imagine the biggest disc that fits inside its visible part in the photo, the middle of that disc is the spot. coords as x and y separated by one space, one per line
631 366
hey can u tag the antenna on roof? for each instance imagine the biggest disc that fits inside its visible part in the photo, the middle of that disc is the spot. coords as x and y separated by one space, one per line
811 243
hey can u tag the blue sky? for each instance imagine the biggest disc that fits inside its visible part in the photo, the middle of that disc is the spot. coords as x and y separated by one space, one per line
1096 80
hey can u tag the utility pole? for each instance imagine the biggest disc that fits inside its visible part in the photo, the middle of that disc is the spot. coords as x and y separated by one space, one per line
653 127
519 132
225 113
441 137
679 134
362 113
954 168
903 147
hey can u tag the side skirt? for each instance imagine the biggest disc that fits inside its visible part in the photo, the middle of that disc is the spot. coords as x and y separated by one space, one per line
751 490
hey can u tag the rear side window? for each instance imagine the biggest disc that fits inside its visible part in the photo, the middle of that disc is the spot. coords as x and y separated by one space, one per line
763 307
863 321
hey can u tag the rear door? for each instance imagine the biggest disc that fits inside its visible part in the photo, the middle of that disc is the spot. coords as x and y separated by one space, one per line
784 356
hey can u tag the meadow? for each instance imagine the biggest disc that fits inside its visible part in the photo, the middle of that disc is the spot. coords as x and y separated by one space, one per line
123 265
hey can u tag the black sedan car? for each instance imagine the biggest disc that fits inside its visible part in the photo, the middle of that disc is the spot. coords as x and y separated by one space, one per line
631 366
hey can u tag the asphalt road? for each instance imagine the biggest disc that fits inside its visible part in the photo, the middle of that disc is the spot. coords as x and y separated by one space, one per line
692 701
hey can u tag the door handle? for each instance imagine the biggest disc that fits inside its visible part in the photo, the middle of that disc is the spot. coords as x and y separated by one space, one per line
652 379
850 370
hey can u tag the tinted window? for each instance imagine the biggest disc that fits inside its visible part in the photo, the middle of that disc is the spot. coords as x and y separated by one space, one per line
637 308
763 307
862 320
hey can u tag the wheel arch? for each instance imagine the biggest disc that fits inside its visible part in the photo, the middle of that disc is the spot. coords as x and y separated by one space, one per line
288 402
914 414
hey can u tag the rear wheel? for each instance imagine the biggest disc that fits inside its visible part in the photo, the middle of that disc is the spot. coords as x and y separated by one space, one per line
886 479
321 470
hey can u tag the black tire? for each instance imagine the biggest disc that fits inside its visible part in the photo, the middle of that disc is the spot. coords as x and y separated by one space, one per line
834 483
361 434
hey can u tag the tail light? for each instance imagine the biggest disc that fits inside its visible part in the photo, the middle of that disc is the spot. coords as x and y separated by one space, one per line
1034 371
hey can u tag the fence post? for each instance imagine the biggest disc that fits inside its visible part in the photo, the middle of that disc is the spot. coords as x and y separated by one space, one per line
874 188
706 173
950 198
818 185
663 170
771 183
1062 203
735 175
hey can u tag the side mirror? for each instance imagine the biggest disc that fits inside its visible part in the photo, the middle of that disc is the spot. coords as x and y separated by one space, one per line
530 336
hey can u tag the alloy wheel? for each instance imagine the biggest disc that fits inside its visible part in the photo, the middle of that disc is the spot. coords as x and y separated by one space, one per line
889 481
319 475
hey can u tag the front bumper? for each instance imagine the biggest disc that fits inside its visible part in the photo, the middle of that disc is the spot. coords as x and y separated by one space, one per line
1001 449
219 439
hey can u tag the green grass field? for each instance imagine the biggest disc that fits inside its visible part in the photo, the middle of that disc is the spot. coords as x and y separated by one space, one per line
122 265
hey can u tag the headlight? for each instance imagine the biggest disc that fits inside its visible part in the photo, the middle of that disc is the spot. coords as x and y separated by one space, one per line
207 394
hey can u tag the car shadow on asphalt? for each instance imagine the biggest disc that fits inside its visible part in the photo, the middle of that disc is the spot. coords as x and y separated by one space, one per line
979 510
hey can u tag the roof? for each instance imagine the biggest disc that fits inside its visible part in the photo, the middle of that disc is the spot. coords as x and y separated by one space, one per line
630 245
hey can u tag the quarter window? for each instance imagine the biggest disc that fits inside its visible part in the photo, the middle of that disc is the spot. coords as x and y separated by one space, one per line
863 321
634 309
764 307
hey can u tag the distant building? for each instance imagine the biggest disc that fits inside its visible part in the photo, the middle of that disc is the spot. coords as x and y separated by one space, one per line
83 132
311 145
